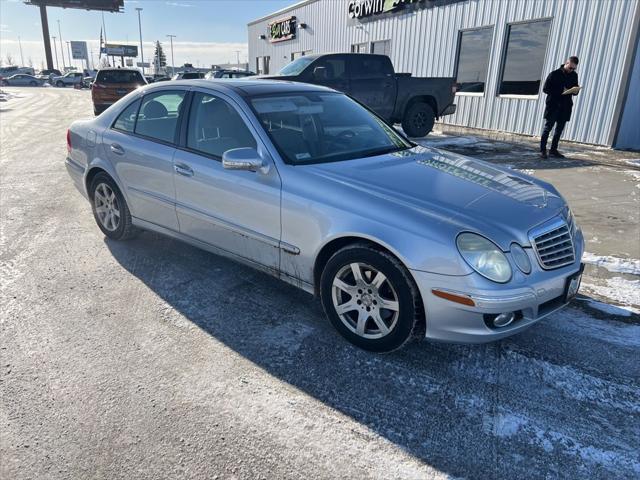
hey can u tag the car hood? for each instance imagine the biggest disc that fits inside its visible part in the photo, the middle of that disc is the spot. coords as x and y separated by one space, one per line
500 203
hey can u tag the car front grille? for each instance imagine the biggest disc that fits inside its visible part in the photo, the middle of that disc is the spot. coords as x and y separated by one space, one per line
554 248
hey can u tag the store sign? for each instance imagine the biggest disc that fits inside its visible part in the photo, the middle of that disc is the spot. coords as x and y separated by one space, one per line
367 8
79 50
283 29
119 50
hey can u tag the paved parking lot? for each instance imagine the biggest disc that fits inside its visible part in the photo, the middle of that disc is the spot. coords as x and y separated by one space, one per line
152 359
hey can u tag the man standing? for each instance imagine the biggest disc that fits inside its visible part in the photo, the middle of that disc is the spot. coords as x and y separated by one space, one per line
559 104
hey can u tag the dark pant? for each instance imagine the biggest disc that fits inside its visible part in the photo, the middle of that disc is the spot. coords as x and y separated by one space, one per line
548 125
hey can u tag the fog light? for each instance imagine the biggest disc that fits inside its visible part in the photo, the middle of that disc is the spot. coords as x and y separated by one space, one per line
504 319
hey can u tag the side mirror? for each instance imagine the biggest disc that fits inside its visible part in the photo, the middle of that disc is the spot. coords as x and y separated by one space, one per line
320 73
244 159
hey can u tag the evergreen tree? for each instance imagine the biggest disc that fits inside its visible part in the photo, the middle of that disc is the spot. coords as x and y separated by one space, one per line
159 58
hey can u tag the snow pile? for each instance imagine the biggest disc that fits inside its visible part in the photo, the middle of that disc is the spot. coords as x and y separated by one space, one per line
610 309
613 264
618 289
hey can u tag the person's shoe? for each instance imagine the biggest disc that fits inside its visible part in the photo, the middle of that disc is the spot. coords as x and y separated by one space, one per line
543 154
556 153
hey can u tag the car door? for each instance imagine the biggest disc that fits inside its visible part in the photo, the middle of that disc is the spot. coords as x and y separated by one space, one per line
236 211
329 71
141 144
373 83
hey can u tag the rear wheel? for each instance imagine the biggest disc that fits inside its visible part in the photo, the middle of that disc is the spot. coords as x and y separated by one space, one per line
418 120
370 298
110 209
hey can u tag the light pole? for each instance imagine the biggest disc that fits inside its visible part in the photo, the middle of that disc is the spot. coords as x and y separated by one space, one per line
69 52
21 56
55 50
140 31
237 58
64 66
173 66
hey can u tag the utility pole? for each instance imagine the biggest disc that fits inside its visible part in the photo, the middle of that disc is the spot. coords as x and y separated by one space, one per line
64 66
173 65
69 52
21 56
140 30
237 57
55 50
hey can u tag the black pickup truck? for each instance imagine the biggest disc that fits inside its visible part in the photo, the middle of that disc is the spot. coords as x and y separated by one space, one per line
397 97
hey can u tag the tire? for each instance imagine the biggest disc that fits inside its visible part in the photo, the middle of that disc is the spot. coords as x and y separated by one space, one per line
121 228
59 83
4 83
33 84
403 318
418 120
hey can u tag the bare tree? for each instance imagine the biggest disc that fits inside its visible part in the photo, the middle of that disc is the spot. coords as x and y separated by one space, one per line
41 64
104 62
9 59
30 62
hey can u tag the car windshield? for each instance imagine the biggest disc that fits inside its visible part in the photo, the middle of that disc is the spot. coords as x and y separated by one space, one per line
122 76
297 66
324 127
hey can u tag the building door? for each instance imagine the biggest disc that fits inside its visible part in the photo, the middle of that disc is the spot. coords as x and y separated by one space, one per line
381 47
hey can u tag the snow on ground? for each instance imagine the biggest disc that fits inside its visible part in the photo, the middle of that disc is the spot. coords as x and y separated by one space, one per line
613 264
618 289
634 161
636 176
610 309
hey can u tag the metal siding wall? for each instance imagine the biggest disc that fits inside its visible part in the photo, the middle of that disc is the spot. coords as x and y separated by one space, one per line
424 42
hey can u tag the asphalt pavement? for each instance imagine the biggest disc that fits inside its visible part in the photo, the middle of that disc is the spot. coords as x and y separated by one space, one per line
153 359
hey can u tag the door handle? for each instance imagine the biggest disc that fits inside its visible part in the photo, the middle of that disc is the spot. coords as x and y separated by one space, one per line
184 170
117 149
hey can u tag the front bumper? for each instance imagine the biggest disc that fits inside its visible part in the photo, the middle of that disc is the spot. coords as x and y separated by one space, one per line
532 296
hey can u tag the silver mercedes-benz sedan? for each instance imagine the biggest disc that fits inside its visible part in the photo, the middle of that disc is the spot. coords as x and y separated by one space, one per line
399 241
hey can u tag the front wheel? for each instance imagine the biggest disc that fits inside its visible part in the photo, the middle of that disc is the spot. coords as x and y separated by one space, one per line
59 83
110 209
4 83
370 298
418 120
33 84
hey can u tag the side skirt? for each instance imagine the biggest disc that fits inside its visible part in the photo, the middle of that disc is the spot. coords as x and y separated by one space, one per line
296 282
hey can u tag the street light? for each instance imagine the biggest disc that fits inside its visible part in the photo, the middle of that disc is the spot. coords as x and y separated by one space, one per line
55 50
173 66
140 30
64 66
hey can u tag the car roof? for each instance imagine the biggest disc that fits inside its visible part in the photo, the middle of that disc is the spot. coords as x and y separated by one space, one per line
111 69
249 88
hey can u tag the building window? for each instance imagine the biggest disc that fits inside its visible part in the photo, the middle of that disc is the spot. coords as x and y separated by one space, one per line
296 55
359 48
381 47
524 58
473 59
262 65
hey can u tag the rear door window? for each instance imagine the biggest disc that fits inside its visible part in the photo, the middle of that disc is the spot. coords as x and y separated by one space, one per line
127 119
369 66
159 114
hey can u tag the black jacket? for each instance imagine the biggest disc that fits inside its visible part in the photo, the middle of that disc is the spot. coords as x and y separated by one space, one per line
559 106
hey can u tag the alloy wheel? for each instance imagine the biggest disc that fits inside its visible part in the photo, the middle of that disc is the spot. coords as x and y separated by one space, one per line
365 300
107 208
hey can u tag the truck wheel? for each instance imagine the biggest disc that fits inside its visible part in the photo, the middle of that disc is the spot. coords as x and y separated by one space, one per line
418 120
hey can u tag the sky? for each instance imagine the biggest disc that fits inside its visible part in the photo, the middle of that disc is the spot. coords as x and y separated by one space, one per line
207 31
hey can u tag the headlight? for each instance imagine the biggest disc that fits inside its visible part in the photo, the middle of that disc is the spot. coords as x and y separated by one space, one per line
521 258
484 257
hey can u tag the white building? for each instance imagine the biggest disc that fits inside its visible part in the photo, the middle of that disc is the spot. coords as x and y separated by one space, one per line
500 52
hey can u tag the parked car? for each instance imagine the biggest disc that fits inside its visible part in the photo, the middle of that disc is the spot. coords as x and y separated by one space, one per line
68 79
21 80
229 74
46 75
187 76
304 183
415 102
111 84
